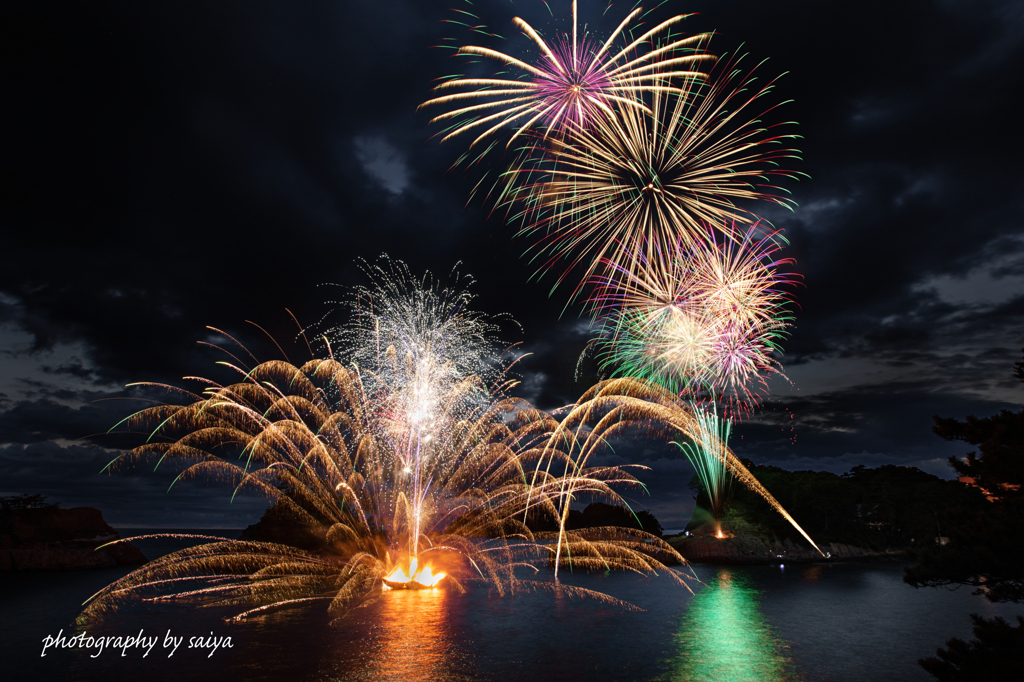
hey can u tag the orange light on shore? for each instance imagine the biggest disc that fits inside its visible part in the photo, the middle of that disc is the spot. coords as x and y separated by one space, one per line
398 579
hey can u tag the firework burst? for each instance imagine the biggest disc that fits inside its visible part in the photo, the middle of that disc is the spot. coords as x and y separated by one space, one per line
576 81
431 327
703 317
639 180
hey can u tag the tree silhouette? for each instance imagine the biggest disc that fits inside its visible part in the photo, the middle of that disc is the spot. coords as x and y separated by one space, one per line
984 549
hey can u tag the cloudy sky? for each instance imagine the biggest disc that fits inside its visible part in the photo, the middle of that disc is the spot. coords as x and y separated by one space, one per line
168 167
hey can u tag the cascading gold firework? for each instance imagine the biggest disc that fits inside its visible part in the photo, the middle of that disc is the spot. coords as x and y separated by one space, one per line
391 488
333 467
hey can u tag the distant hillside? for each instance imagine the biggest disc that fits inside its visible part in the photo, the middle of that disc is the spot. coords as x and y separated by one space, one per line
888 507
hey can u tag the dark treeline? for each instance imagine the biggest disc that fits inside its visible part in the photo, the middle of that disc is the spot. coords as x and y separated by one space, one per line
985 550
13 503
598 515
885 507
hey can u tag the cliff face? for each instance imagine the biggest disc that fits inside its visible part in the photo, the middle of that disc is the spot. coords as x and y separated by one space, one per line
54 539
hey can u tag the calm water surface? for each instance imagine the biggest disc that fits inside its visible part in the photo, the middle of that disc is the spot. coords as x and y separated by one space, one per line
847 622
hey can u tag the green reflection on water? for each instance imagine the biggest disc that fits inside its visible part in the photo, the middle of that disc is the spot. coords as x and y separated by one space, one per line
724 638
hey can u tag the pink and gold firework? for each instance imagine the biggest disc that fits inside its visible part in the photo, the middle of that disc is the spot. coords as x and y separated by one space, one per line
576 81
701 318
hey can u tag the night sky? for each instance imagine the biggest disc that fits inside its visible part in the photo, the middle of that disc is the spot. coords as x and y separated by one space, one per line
168 167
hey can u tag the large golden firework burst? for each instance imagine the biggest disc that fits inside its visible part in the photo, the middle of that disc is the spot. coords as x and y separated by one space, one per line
639 181
308 438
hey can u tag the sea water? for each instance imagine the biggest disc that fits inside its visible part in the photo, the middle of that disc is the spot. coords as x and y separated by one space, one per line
842 622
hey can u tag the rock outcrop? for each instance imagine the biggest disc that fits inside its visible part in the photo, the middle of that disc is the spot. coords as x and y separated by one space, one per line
282 525
54 539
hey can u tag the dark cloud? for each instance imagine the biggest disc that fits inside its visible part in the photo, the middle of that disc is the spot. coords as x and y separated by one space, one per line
41 420
860 425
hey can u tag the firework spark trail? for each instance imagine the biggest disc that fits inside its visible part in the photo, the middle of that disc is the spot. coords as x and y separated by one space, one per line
700 317
576 81
642 180
706 452
645 403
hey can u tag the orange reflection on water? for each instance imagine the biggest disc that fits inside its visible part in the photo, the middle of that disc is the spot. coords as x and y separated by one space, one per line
412 638
813 573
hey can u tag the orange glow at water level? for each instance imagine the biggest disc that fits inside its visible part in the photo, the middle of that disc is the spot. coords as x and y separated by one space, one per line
399 579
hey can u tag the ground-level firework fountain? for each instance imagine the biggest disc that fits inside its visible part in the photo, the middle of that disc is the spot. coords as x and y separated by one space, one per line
414 579
407 472
706 452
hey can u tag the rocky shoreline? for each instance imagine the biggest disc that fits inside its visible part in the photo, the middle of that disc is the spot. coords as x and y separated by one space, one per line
747 550
55 539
